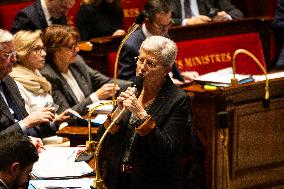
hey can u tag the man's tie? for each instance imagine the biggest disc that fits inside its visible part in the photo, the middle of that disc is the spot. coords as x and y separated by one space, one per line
187 10
11 103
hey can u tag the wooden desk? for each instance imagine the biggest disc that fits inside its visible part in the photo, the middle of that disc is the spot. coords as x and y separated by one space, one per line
254 155
97 58
77 135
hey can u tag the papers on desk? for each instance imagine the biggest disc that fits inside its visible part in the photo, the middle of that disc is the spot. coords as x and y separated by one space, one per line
223 77
104 109
96 122
220 78
83 183
59 163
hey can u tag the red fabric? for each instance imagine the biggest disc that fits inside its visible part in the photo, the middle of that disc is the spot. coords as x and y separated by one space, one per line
212 54
110 66
131 9
9 11
72 13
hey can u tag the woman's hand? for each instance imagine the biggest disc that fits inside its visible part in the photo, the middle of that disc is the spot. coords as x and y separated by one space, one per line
128 100
106 91
64 116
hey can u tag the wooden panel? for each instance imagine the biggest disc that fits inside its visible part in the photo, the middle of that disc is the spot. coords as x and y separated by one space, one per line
254 155
257 141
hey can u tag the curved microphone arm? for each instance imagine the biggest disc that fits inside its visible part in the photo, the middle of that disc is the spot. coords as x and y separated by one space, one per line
99 181
130 31
234 81
90 145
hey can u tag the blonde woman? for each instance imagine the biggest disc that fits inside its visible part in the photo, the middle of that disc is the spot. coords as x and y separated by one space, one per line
34 88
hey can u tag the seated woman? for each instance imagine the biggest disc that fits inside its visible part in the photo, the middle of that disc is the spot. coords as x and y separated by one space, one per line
74 84
97 18
34 88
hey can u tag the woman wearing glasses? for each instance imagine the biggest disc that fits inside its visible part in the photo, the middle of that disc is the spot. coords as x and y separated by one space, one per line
146 141
34 88
74 84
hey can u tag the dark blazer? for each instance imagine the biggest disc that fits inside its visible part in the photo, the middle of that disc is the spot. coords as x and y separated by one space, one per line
130 50
204 7
32 18
89 81
7 121
98 21
157 156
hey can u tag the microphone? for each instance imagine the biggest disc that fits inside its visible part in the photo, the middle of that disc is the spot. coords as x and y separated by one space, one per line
138 84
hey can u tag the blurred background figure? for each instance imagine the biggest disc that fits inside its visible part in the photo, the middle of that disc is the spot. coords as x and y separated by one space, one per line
191 12
74 84
98 18
278 25
157 22
17 156
41 14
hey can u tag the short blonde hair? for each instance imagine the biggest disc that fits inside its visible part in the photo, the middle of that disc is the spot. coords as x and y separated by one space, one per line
24 41
5 36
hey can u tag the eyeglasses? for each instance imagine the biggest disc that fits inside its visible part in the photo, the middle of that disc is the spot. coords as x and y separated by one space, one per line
9 55
39 49
72 46
148 63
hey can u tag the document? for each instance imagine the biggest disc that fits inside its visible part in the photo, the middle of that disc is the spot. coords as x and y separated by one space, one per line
221 77
81 183
59 163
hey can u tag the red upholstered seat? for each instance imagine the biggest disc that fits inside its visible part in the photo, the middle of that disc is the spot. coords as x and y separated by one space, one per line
212 54
9 11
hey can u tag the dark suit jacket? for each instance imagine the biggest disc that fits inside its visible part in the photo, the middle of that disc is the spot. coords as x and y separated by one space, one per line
130 50
89 81
98 21
157 156
7 121
204 7
32 18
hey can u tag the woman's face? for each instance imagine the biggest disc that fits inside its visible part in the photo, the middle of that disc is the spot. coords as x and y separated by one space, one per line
150 67
66 54
35 59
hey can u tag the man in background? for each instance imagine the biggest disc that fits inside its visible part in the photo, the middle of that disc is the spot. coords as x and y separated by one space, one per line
41 14
192 12
157 22
17 156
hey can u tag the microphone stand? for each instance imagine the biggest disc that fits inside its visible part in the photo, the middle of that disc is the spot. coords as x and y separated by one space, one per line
130 31
90 144
98 183
234 81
